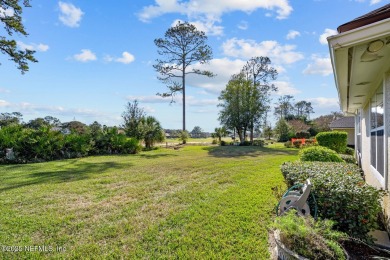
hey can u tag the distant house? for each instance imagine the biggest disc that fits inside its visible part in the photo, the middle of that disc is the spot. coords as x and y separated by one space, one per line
360 55
345 124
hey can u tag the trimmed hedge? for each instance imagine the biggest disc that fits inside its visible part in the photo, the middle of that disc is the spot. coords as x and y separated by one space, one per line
319 154
334 140
341 194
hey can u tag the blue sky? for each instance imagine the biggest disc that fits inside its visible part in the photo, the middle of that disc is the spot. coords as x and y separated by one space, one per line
96 56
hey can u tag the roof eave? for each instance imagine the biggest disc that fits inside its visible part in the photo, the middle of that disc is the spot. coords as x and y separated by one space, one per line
338 47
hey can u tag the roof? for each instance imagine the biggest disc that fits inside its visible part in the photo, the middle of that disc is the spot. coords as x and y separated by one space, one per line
369 18
344 122
360 56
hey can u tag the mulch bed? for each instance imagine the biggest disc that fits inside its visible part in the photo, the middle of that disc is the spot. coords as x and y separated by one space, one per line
359 251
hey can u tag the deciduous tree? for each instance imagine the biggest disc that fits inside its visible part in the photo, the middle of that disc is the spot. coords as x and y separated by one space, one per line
132 117
259 71
284 107
241 104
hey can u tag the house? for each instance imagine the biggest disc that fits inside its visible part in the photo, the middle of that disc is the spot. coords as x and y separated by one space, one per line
345 124
360 55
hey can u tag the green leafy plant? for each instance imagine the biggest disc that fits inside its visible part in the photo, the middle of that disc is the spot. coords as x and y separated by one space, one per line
309 238
348 158
349 151
320 154
297 143
288 144
302 134
334 140
184 136
341 194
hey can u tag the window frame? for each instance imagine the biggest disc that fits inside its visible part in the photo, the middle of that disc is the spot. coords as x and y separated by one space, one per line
374 132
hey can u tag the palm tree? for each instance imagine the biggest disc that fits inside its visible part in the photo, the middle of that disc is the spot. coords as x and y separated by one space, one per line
152 131
220 132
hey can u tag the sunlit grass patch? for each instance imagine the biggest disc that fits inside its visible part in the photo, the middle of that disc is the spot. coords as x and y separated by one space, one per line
196 202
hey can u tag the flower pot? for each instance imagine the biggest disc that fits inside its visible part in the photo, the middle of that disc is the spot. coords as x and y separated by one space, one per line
284 253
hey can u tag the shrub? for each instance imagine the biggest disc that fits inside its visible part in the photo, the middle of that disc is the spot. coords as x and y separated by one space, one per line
309 143
303 134
319 154
348 158
245 143
349 151
297 143
258 143
215 141
131 146
309 238
223 143
341 194
334 140
288 144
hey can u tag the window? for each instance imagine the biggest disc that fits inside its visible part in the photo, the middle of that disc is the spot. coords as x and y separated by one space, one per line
377 132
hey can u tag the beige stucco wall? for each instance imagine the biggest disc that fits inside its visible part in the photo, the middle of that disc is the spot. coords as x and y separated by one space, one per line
366 148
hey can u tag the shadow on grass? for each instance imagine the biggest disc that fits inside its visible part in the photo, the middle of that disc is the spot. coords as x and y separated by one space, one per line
73 171
253 151
155 156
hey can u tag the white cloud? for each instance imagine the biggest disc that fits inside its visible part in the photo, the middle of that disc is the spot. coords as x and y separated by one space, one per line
223 68
193 8
278 53
205 14
193 101
70 14
149 99
373 2
3 90
205 25
85 56
33 46
4 103
322 102
190 100
319 66
6 12
292 34
243 25
326 34
126 58
285 88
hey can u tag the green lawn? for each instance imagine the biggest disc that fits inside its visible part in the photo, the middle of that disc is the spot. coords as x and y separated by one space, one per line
196 202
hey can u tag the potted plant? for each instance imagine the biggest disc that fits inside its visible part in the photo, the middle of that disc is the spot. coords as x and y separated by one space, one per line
304 238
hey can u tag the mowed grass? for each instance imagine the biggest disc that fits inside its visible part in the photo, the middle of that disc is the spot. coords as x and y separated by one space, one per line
193 203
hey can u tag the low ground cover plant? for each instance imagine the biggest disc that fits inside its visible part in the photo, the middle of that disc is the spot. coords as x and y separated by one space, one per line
319 154
309 238
341 194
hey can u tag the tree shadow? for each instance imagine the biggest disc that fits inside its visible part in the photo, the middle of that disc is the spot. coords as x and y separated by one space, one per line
155 156
73 170
241 151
